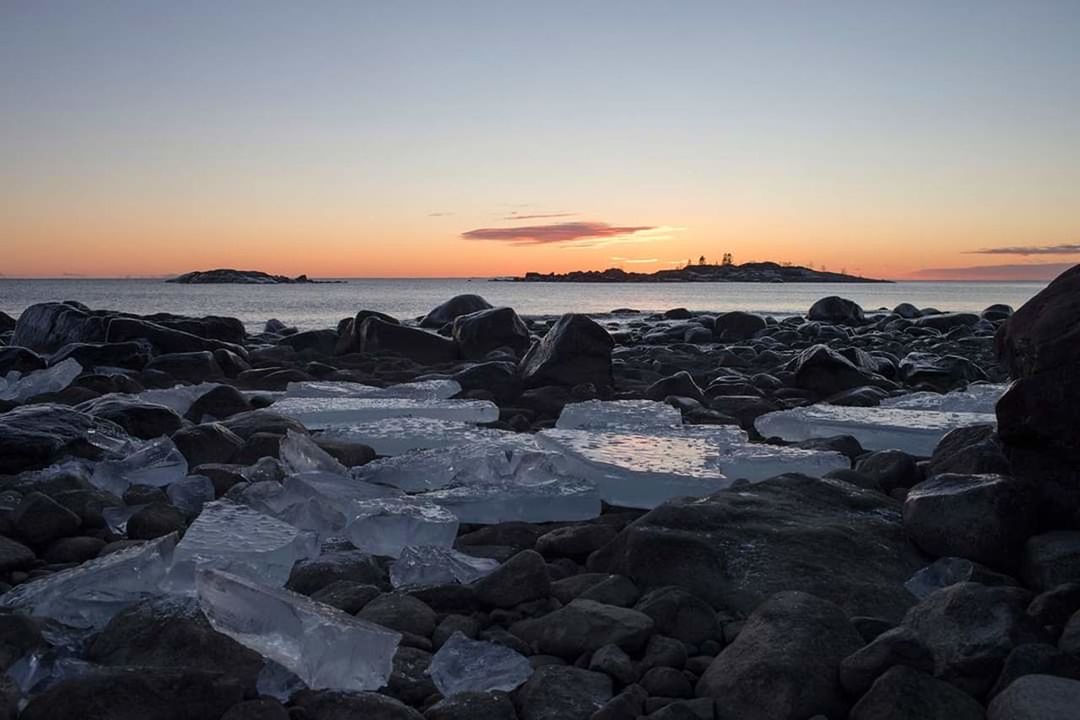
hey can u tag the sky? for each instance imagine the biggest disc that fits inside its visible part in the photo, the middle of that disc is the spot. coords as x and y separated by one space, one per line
440 139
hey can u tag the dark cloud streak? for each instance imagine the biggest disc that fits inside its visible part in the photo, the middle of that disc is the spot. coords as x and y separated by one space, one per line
1071 249
553 233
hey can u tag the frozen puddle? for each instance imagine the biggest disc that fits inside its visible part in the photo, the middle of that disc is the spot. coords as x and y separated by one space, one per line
397 435
321 413
916 432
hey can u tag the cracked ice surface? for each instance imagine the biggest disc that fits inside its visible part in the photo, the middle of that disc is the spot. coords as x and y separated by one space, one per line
493 459
156 462
976 398
464 665
618 415
916 432
639 469
422 390
20 388
421 565
385 526
89 595
325 647
242 541
318 413
396 435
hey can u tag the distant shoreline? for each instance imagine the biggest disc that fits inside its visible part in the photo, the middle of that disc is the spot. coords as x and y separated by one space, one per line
762 272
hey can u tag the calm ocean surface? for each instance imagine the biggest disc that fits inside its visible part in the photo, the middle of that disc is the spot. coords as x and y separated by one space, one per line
320 306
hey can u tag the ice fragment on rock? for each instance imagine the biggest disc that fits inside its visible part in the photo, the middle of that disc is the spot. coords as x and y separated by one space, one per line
236 538
157 462
618 414
20 388
552 500
464 665
190 494
299 454
89 595
396 435
385 526
916 432
420 565
422 390
180 398
324 647
980 398
318 413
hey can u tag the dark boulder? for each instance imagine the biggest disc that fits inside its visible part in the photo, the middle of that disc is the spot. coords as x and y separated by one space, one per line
155 520
1036 659
209 443
193 367
319 342
784 663
376 337
737 325
310 576
481 332
500 378
47 327
825 372
453 308
941 372
336 705
219 403
890 469
836 310
1037 697
163 339
575 350
211 327
127 355
522 578
20 360
970 450
680 384
246 424
34 436
584 626
140 419
562 693
944 322
473 706
38 519
348 338
1052 559
792 532
906 694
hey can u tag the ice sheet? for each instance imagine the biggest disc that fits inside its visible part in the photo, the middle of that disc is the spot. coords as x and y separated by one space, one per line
976 398
16 387
422 390
320 413
396 435
618 414
464 665
421 565
385 526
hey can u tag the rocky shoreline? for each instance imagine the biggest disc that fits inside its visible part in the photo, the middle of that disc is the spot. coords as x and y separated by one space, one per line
201 522
757 272
243 277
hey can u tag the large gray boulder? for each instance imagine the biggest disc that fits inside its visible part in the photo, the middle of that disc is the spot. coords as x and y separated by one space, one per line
784 663
562 693
481 332
584 626
377 337
575 350
454 308
792 532
837 310
46 327
906 694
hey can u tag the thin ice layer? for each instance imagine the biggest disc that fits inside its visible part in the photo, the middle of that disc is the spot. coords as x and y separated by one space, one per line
299 454
557 499
318 413
756 461
156 462
422 565
637 469
324 647
235 538
980 398
916 432
385 526
89 595
618 414
20 388
464 665
422 390
397 435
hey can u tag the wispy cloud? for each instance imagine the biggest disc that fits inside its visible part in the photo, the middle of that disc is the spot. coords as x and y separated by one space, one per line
574 235
635 261
440 214
537 216
1071 249
1028 271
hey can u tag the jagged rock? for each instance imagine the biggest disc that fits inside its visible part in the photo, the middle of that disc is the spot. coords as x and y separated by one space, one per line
903 693
310 576
679 614
562 693
128 355
984 518
34 436
377 337
39 519
453 308
792 532
139 419
574 351
784 663
336 705
500 378
481 332
164 339
583 626
47 327
20 360
823 371
473 706
522 578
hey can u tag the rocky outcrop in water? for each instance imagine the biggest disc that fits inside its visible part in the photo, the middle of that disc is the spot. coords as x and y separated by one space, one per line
237 277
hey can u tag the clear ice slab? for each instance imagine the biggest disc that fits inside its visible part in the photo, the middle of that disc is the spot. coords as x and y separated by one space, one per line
385 526
421 390
464 665
916 432
555 499
240 540
190 494
300 454
397 435
89 595
618 415
325 647
320 413
156 462
19 388
981 398
422 565
179 398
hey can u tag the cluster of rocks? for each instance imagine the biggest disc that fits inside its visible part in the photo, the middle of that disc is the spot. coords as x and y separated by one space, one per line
903 588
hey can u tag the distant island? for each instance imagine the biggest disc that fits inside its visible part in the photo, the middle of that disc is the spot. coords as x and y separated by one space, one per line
759 272
242 277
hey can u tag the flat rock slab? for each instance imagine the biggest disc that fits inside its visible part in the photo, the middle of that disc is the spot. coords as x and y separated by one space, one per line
739 546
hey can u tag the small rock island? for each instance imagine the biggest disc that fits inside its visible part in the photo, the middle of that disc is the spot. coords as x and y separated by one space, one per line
239 277
725 272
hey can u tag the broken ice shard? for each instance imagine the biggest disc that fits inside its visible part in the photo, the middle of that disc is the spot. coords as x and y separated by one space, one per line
385 526
464 665
323 646
89 595
980 398
422 390
157 462
20 388
421 565
316 413
396 435
179 398
916 432
757 461
236 538
190 494
555 499
618 414
300 454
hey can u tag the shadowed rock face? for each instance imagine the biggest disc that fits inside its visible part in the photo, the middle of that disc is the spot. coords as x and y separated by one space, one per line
575 350
739 546
1038 417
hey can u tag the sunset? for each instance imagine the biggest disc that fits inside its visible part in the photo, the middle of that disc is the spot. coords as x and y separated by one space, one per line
496 360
